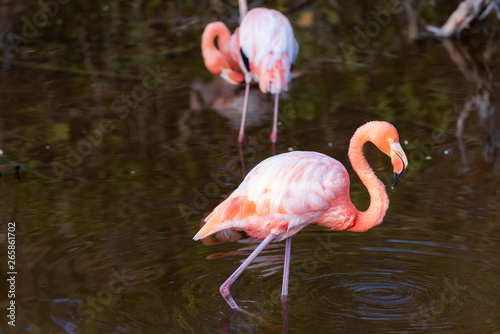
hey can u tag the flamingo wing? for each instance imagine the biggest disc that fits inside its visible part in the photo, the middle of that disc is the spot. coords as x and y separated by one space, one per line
281 195
232 51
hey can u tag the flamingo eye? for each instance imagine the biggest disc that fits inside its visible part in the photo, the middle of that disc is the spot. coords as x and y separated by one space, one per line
245 60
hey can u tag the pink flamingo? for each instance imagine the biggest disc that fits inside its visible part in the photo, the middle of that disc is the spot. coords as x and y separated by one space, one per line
263 49
287 192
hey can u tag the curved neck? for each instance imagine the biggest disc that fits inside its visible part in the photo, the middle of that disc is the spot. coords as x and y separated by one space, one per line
379 201
212 55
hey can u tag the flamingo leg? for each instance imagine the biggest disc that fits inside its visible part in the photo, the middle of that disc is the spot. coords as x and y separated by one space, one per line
274 134
224 288
241 136
286 268
242 159
284 315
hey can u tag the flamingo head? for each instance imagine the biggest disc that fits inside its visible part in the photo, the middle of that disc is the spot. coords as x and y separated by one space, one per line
399 162
386 138
218 65
231 76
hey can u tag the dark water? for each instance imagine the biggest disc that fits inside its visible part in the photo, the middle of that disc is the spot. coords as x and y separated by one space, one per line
125 142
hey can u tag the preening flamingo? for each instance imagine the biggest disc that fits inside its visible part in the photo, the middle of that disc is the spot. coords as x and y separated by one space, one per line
285 193
263 49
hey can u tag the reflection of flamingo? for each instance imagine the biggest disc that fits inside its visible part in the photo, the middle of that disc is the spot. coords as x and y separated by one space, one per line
287 192
263 49
220 96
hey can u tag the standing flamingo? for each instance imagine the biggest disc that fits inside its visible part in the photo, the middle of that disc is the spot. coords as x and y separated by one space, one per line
285 193
263 49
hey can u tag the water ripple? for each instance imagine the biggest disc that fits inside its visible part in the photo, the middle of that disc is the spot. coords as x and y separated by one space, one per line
398 288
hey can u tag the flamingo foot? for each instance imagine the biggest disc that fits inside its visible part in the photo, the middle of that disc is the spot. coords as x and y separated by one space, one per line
226 294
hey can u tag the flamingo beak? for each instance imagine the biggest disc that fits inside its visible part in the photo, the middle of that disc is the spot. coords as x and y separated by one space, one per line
399 162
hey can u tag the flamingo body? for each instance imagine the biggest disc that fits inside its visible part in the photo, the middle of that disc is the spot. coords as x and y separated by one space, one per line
287 192
267 41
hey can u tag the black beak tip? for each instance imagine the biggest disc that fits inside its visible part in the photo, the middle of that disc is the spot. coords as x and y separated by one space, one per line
394 181
397 178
